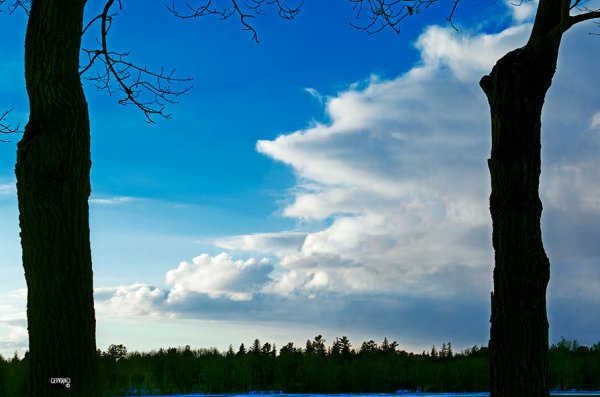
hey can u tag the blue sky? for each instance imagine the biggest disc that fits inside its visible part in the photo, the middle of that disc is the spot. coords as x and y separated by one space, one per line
323 181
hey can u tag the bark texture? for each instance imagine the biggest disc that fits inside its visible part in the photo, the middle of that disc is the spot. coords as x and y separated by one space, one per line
53 183
516 89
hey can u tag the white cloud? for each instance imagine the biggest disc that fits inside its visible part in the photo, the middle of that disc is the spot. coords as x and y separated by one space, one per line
13 322
280 243
595 123
129 301
318 280
218 276
467 56
8 189
315 94
114 200
574 186
212 280
522 10
400 173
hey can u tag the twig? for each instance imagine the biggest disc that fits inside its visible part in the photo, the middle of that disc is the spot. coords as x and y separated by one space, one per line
6 128
17 4
245 12
142 87
381 14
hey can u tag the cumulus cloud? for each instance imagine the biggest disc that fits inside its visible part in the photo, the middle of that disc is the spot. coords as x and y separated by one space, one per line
207 283
399 175
218 276
129 301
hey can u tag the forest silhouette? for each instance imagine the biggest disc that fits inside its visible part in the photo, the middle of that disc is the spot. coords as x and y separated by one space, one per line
314 368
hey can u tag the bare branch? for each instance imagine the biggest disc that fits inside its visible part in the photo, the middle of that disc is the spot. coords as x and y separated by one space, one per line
6 128
90 23
590 14
243 19
142 87
245 12
568 22
381 14
449 17
24 5
575 4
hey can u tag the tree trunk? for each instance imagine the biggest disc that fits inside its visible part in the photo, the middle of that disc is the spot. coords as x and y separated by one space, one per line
516 89
53 183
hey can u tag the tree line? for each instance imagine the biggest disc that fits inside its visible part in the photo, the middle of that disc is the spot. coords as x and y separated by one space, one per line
314 368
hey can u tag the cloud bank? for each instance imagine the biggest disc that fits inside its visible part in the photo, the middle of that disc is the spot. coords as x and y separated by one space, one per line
394 234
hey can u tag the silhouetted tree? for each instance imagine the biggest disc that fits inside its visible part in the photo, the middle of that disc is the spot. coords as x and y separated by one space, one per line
230 352
116 352
387 347
344 346
516 89
256 347
446 351
287 369
53 164
434 353
319 345
369 347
